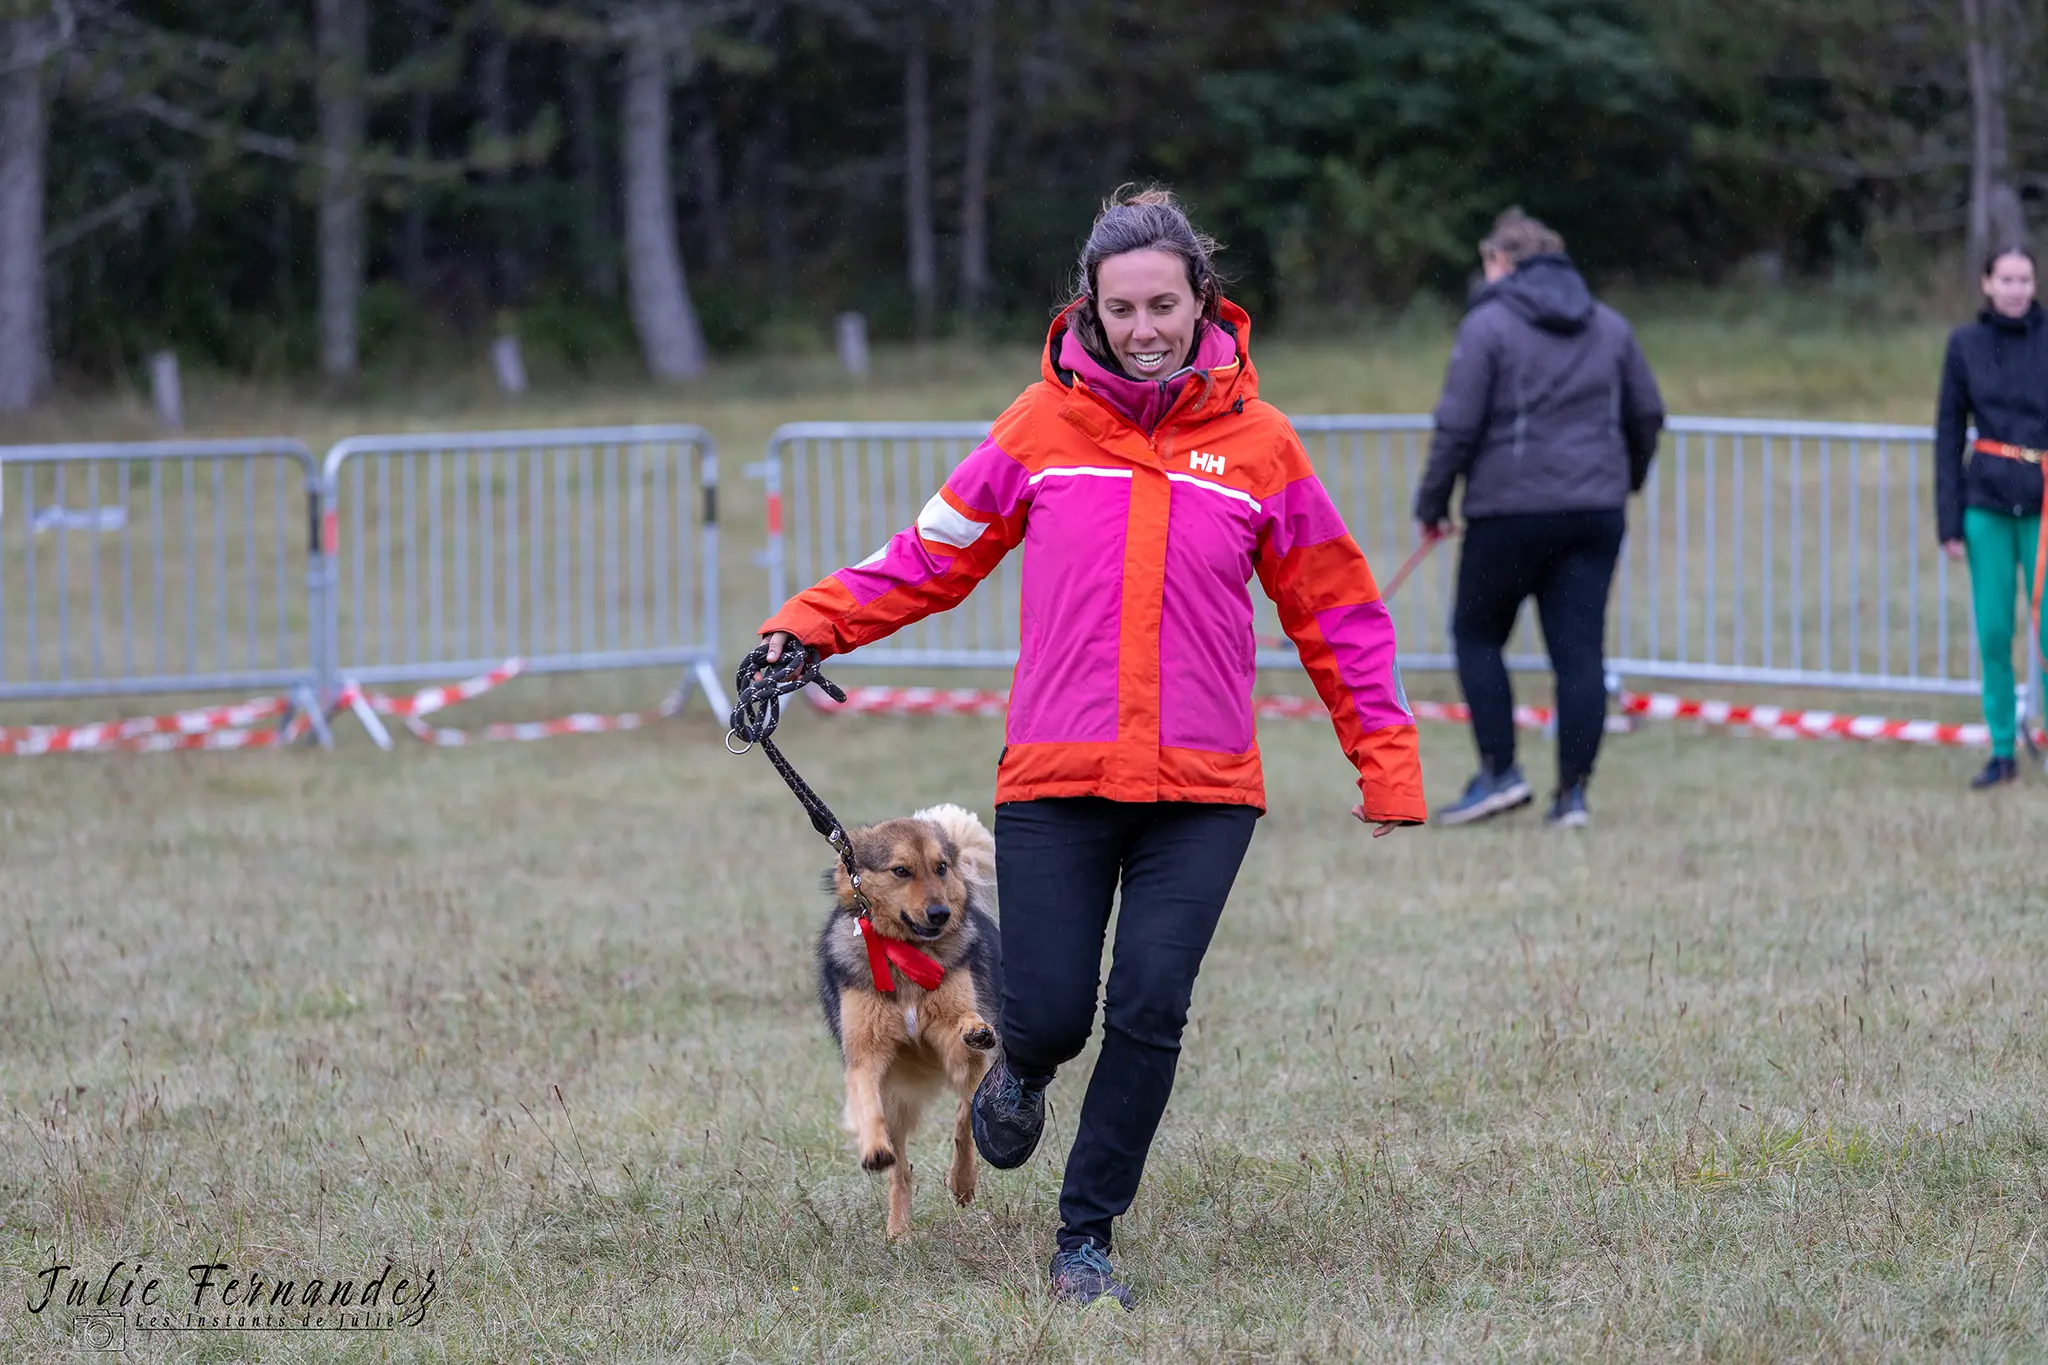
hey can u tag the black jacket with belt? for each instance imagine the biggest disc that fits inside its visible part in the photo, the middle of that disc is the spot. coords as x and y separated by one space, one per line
1548 404
1996 373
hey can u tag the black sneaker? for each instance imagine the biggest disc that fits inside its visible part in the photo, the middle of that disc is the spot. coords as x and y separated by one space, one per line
1568 809
1084 1275
1996 772
1008 1116
1487 794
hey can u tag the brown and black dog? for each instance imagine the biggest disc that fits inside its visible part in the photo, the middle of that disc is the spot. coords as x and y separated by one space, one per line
929 880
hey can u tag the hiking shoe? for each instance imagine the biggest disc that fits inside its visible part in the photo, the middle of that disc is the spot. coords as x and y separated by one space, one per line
1997 771
1084 1275
1008 1116
1487 794
1568 809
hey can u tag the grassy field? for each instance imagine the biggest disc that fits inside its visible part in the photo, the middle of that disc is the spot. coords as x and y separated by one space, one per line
1753 1070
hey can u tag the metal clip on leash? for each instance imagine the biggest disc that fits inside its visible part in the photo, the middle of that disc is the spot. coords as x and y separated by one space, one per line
760 687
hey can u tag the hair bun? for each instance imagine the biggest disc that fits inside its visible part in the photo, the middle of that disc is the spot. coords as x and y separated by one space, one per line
1153 196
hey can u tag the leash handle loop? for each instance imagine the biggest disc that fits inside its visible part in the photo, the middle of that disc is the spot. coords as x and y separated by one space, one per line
760 687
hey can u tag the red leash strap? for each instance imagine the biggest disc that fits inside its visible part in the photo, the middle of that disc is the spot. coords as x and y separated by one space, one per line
921 967
2040 569
1410 565
2039 460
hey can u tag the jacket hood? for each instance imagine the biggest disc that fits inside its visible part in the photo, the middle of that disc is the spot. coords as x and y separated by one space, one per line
1545 291
2025 322
1221 367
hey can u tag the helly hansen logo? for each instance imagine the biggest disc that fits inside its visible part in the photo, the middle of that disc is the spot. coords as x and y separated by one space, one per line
1204 463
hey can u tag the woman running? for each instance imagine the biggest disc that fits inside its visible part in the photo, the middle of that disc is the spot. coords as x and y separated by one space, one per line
1147 483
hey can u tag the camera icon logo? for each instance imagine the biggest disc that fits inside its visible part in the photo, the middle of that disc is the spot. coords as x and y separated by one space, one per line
100 1331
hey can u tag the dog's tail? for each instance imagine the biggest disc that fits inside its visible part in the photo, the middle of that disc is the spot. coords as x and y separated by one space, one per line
977 846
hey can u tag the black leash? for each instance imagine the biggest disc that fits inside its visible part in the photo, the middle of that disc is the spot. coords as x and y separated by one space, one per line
761 686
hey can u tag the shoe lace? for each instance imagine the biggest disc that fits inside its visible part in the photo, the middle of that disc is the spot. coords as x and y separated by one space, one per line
1010 1090
1087 1257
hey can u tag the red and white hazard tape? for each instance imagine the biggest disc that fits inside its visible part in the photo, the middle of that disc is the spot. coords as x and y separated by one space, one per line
429 700
915 701
412 711
1776 721
213 727
1781 722
581 723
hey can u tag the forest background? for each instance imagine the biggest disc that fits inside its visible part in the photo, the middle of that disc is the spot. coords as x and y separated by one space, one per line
338 190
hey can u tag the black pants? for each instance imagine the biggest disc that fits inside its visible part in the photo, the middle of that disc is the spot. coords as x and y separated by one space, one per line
1058 863
1566 560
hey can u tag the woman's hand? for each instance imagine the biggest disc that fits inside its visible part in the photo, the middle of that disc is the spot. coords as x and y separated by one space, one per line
1432 531
1382 828
1952 548
779 640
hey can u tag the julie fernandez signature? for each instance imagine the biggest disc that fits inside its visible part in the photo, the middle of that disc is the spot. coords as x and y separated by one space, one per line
226 1296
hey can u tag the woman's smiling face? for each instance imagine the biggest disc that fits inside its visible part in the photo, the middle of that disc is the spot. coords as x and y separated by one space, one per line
1148 311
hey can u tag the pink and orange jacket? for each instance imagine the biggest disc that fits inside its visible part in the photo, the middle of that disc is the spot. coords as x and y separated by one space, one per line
1144 509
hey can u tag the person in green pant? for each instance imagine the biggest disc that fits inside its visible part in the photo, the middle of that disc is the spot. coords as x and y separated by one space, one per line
1989 509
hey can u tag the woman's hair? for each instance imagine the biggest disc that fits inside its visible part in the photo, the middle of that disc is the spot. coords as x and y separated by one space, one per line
2000 253
1516 237
1144 220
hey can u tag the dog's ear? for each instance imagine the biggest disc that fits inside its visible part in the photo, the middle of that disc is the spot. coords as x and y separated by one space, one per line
974 848
860 842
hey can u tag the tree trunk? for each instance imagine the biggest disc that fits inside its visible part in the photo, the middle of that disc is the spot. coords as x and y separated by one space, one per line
711 218
497 120
981 118
24 134
669 336
781 234
1996 219
412 239
596 237
917 169
343 39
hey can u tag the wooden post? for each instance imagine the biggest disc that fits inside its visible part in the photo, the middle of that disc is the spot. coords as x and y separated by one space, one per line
850 331
508 364
165 393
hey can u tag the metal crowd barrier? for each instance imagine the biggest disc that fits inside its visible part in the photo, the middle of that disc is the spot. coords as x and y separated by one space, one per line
159 567
838 490
1790 553
1796 553
579 549
1787 553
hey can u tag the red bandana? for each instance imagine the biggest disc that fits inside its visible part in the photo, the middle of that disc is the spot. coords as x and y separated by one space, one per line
920 966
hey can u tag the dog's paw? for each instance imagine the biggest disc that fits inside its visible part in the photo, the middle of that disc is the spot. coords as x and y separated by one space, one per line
879 1159
963 1191
978 1035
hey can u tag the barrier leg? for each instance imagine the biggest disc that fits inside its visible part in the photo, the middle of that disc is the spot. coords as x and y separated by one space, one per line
706 678
305 703
360 704
1619 720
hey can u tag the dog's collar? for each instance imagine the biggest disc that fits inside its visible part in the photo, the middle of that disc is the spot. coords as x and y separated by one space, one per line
921 967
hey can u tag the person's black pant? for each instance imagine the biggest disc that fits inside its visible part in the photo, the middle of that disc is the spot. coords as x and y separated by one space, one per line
1566 560
1058 864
